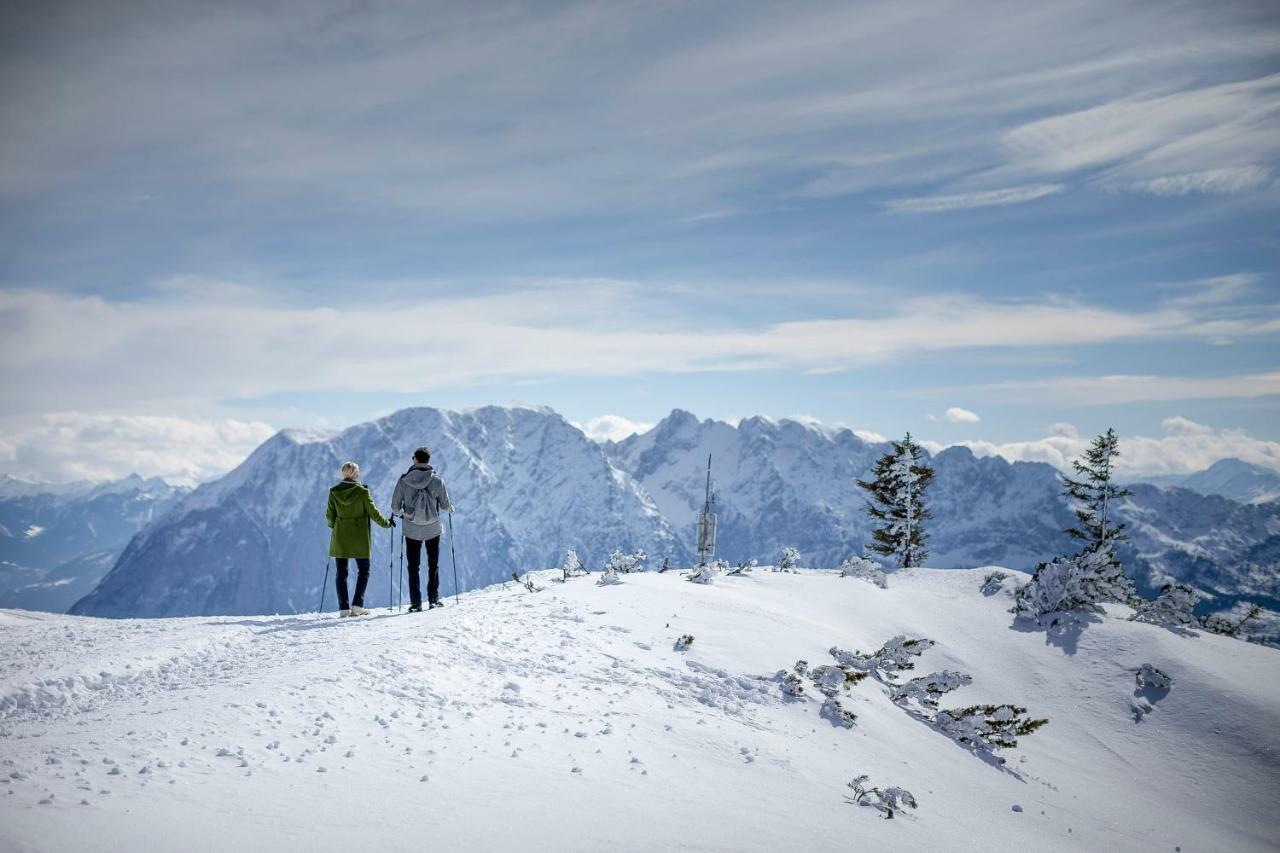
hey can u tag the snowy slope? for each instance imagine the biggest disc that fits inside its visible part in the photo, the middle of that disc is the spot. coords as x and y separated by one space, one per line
566 720
526 484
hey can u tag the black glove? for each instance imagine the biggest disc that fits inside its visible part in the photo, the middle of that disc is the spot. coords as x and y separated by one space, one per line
392 519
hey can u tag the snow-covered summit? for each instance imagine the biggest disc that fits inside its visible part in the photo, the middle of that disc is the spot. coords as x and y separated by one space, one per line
646 715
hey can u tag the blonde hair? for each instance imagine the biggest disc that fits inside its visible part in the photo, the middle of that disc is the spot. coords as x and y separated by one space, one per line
350 471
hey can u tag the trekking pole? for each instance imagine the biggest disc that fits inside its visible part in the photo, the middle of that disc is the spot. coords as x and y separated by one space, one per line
453 558
402 538
391 566
325 585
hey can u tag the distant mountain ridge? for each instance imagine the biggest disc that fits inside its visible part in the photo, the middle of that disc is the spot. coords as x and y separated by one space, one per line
528 485
58 540
1231 478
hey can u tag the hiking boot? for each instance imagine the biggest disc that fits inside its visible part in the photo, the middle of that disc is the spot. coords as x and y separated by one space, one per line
415 608
356 610
343 614
433 605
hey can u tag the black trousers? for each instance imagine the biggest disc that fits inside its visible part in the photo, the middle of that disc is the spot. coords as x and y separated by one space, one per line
362 581
433 570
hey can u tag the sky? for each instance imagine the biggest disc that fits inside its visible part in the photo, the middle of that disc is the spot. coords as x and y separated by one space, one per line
1008 225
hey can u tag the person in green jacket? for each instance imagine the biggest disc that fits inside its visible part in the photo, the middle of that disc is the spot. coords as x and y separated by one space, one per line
349 512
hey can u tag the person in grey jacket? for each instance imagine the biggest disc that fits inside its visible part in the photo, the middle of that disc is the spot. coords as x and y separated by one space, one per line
419 498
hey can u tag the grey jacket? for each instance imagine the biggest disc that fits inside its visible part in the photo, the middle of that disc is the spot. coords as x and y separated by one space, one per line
419 498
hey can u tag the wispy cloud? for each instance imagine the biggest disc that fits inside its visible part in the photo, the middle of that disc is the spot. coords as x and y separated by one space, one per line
964 201
1123 389
1211 138
1213 181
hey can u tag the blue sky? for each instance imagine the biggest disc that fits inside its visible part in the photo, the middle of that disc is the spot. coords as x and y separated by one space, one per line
222 220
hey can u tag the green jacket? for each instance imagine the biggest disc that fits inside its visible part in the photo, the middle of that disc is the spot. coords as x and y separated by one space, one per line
349 512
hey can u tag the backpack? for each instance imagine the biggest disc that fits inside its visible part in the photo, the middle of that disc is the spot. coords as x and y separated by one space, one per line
418 504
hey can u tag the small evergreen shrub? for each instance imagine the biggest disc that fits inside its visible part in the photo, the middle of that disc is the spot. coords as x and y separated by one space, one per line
864 568
888 801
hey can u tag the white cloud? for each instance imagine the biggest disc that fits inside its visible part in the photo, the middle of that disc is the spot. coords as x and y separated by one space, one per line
965 201
613 428
869 436
957 415
1212 181
1186 446
1120 389
155 354
83 446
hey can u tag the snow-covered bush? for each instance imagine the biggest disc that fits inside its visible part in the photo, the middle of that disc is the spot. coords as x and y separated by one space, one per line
865 569
928 689
830 680
791 682
1150 678
993 583
613 568
620 563
572 567
788 560
888 801
893 656
1173 606
527 582
987 727
1232 623
684 642
706 572
1073 583
743 567
838 714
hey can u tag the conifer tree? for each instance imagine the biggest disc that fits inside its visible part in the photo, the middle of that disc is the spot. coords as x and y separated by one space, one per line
897 502
1095 492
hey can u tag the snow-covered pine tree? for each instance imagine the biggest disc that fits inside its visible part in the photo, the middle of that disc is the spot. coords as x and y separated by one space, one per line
897 504
1093 575
1096 493
788 560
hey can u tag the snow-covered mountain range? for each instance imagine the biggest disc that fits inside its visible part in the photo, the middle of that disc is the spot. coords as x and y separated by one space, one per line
573 719
58 540
528 485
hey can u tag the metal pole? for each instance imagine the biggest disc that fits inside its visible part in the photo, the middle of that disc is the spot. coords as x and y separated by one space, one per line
325 586
402 569
453 558
391 567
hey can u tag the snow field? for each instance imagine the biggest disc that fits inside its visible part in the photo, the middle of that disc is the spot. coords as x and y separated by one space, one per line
567 719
